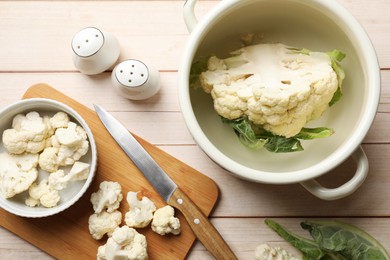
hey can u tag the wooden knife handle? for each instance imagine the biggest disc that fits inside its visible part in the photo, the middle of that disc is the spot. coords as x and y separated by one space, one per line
201 226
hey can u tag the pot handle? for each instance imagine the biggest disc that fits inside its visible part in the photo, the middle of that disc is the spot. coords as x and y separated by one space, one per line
189 14
347 188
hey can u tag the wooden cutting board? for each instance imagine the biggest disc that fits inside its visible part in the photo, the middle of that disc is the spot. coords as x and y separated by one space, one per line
66 235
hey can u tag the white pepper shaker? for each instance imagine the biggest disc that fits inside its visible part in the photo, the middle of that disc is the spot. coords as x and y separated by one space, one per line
134 80
94 51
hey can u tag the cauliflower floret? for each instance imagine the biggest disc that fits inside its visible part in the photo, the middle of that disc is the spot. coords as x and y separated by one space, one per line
28 134
68 155
79 171
273 85
48 159
164 221
71 136
57 154
43 194
141 211
60 119
265 252
125 243
17 173
107 197
58 180
104 223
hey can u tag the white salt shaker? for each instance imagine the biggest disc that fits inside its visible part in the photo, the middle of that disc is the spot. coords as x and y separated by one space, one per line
134 80
94 51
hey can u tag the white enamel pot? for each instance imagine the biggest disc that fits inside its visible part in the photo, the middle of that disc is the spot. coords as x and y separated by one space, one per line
319 25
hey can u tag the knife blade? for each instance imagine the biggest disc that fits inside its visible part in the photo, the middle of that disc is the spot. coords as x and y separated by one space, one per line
166 187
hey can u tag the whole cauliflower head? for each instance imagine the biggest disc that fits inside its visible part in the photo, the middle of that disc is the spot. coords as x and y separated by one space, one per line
164 221
141 211
125 243
28 134
274 85
108 197
104 223
17 173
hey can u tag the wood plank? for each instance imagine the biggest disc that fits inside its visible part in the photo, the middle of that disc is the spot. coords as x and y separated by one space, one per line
164 46
139 116
256 232
98 86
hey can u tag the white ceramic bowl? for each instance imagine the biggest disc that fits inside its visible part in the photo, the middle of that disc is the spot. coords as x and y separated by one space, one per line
317 25
75 190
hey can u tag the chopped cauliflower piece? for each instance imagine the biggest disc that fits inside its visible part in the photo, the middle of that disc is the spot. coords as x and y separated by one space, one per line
125 243
265 252
60 119
141 211
48 159
43 194
107 197
57 154
104 223
72 135
69 155
17 173
58 180
28 134
79 171
164 222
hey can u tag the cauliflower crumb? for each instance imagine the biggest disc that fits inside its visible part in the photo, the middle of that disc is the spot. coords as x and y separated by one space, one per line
164 221
125 243
107 197
104 223
265 252
141 211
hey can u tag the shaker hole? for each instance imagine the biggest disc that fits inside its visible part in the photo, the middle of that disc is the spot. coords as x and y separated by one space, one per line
121 71
87 40
131 73
142 75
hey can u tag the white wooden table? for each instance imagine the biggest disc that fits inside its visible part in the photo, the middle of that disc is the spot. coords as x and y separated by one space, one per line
35 47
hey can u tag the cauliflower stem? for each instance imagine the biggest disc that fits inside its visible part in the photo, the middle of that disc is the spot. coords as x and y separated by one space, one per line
255 137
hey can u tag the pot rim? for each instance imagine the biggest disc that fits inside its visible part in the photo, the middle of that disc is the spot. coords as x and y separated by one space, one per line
368 58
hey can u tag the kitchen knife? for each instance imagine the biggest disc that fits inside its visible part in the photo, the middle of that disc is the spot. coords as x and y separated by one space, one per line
164 185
